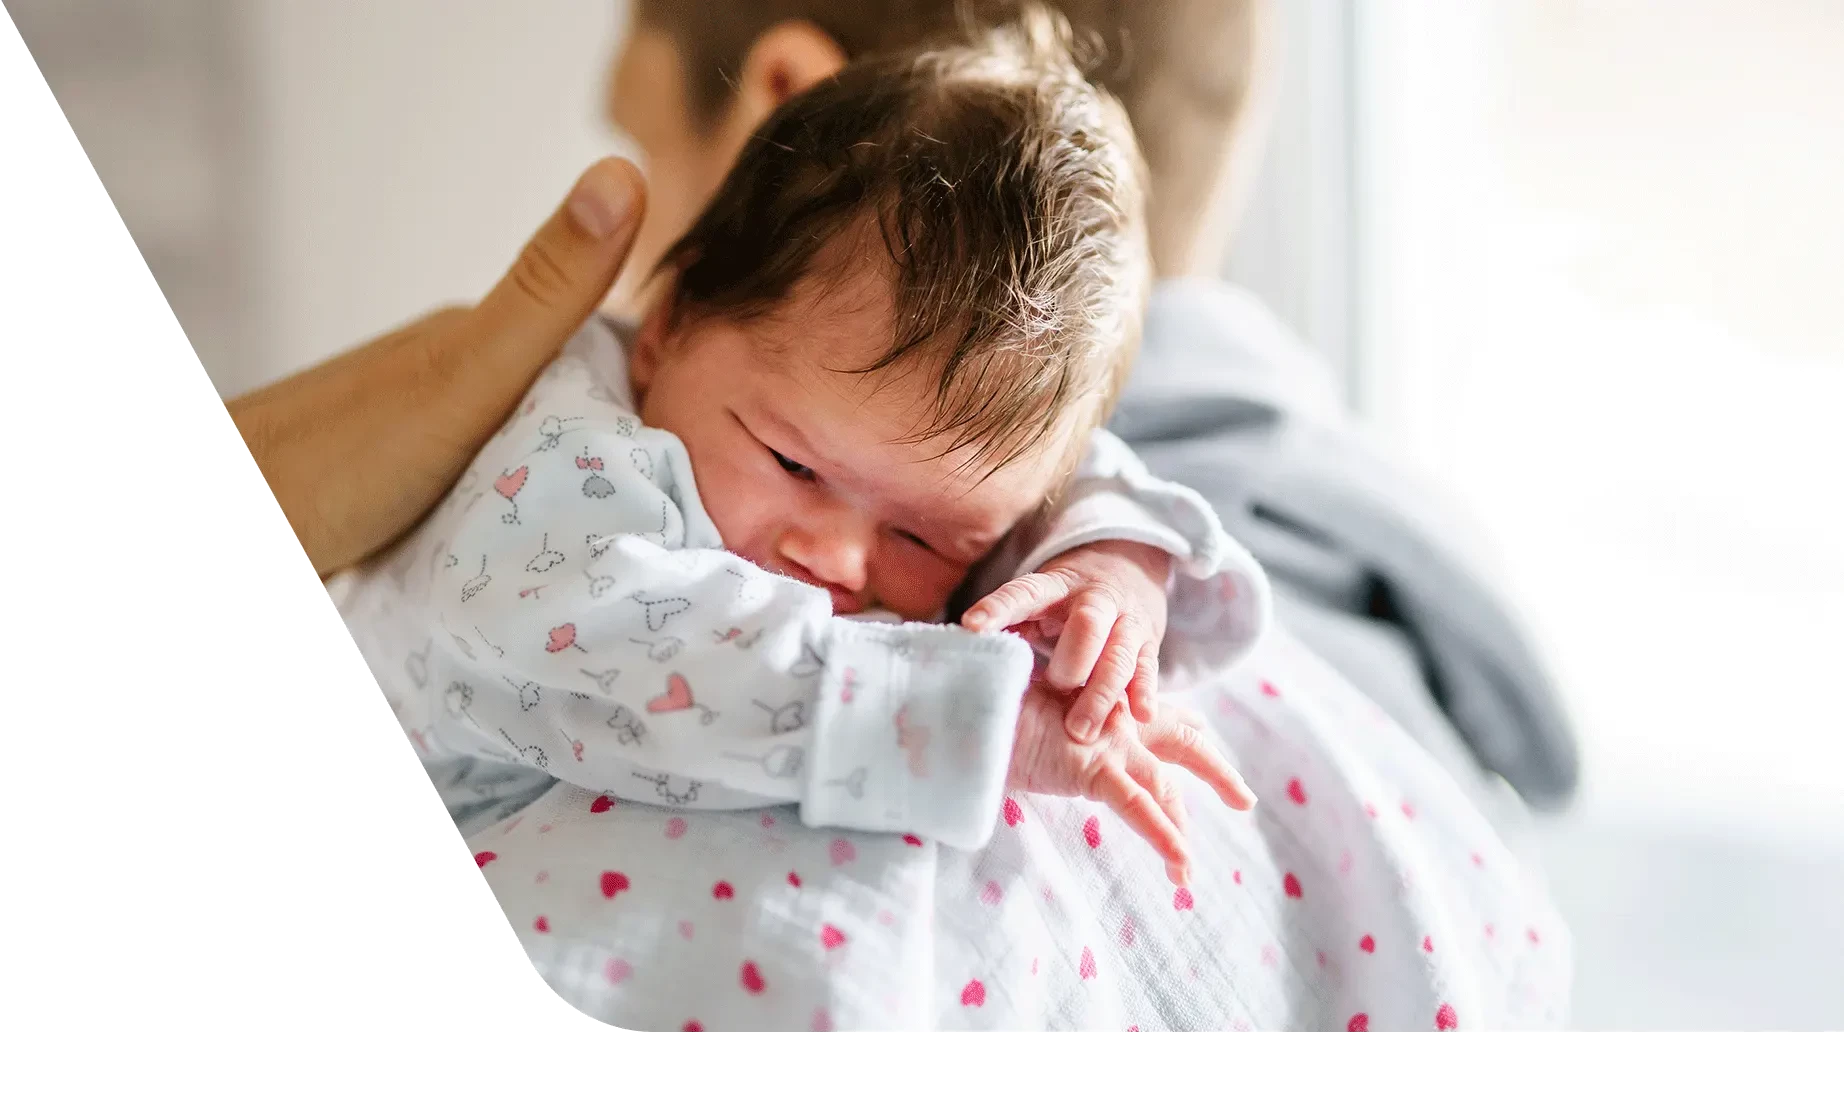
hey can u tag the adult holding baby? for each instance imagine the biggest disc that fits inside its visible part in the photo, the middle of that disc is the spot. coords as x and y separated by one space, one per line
453 376
359 448
398 415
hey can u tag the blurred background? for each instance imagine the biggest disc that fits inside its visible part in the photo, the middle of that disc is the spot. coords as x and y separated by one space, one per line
1579 260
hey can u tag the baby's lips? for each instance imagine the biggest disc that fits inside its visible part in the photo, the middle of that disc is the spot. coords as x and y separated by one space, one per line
844 602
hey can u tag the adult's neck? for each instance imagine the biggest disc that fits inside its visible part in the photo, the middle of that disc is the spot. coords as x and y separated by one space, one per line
633 302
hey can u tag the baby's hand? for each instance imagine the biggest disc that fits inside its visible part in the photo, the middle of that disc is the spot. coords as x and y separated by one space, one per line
1103 606
1122 769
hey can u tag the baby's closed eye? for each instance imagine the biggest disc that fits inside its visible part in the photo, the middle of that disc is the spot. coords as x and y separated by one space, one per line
802 471
798 470
906 535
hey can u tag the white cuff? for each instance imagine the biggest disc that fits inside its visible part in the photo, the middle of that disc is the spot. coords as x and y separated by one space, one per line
914 730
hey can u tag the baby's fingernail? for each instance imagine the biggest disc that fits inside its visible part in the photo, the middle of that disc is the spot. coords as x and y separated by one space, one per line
1082 728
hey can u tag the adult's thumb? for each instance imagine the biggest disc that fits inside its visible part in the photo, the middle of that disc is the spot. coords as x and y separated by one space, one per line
560 277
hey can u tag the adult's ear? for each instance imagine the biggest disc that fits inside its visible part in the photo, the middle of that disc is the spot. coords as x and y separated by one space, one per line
786 60
651 338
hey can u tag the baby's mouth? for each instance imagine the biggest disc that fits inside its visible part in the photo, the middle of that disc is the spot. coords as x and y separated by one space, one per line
843 601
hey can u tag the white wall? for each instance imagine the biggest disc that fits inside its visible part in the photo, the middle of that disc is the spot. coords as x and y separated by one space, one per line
300 174
154 92
407 148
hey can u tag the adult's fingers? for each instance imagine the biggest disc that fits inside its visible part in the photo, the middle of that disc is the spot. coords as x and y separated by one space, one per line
1017 600
560 277
1176 741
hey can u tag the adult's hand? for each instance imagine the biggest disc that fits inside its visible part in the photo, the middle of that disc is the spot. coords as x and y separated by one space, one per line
359 448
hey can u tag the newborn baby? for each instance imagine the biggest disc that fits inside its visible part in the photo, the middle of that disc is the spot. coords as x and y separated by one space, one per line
876 382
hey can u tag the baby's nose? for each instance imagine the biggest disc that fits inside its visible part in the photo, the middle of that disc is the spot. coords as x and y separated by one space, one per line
832 548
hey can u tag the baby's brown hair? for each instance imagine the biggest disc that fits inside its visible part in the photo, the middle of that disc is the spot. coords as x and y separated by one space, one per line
1183 69
1008 194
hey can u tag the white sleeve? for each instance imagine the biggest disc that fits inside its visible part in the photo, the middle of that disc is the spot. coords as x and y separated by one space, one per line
1220 601
578 632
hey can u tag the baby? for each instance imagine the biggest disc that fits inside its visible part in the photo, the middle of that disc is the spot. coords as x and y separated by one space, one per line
876 381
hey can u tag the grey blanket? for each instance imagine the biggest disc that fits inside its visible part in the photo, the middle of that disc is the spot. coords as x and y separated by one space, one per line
1375 574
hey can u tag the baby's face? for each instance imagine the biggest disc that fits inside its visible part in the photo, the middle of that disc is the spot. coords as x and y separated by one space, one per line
802 468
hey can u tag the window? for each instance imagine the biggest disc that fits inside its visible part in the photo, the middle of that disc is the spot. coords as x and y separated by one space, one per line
1600 254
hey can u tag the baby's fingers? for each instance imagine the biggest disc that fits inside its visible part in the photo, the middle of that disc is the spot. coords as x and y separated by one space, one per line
1106 687
1176 741
1017 600
1147 772
1143 692
1113 787
1086 634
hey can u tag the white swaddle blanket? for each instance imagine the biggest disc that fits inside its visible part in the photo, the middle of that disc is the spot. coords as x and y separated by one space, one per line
1364 892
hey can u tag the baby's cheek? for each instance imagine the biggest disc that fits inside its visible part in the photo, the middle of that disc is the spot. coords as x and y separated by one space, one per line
739 507
914 584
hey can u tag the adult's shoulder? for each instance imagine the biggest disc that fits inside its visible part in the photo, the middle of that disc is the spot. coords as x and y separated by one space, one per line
1208 339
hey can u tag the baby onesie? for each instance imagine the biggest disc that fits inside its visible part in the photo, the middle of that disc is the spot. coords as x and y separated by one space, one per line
570 608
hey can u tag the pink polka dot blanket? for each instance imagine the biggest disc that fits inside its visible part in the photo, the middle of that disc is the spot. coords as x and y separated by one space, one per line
1364 893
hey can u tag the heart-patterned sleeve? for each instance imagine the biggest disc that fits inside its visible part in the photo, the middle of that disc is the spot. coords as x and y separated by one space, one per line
587 623
1220 601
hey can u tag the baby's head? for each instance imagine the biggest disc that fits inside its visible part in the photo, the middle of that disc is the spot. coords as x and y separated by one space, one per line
892 330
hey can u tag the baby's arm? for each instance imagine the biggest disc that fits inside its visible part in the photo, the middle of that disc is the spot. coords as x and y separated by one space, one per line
1219 600
590 640
1217 596
1100 576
